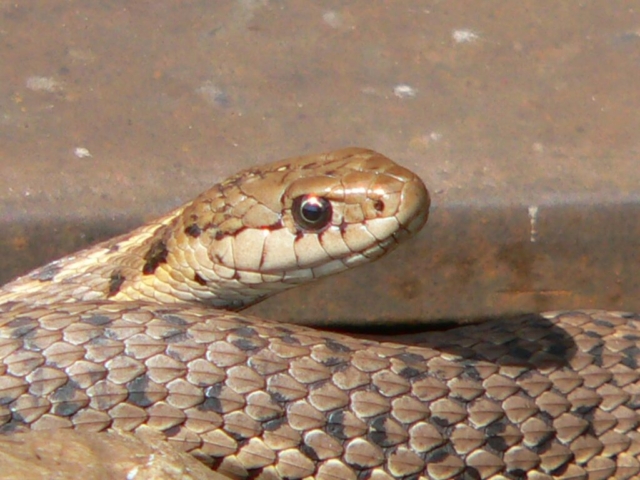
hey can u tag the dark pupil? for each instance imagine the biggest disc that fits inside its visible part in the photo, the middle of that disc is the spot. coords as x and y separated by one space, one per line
311 213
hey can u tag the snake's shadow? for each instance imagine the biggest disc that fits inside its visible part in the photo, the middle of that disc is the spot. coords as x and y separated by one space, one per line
530 341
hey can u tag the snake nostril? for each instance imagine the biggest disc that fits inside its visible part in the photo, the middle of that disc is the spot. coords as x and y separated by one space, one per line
378 205
311 213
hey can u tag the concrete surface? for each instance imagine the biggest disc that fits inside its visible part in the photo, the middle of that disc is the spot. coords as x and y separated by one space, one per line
522 118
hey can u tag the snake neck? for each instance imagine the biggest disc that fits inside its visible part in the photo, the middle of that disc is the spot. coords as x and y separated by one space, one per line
121 269
155 263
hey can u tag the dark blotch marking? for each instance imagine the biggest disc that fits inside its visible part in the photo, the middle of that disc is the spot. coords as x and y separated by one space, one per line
336 347
378 432
6 400
583 410
193 230
244 344
333 362
341 367
289 340
631 337
634 402
137 389
437 455
409 372
63 400
96 320
494 440
212 401
47 273
411 358
631 355
471 473
16 424
173 319
20 322
335 425
309 452
115 282
546 418
542 448
199 280
273 425
156 255
441 422
21 326
603 323
246 332
237 436
172 432
597 355
562 469
175 336
471 371
517 473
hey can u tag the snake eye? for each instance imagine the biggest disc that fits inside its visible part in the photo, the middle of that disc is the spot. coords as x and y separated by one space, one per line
311 213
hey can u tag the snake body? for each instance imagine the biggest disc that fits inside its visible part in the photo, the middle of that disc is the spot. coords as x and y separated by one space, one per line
122 336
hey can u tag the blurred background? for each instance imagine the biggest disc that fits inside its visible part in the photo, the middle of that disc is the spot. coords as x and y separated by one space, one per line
521 117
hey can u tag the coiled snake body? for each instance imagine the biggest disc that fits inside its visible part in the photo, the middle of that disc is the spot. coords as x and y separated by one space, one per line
122 335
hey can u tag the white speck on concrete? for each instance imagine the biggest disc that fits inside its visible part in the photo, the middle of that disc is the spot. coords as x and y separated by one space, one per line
404 91
43 84
464 35
332 18
533 220
213 94
82 152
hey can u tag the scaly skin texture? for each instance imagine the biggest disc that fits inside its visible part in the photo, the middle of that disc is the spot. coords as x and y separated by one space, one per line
84 344
537 397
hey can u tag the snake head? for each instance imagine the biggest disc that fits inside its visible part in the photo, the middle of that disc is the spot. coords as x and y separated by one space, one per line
262 230
272 227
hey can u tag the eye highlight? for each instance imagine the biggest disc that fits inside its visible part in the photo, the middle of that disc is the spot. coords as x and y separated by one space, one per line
311 213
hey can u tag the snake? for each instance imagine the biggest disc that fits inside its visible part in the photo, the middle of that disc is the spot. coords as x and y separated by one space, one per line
146 331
